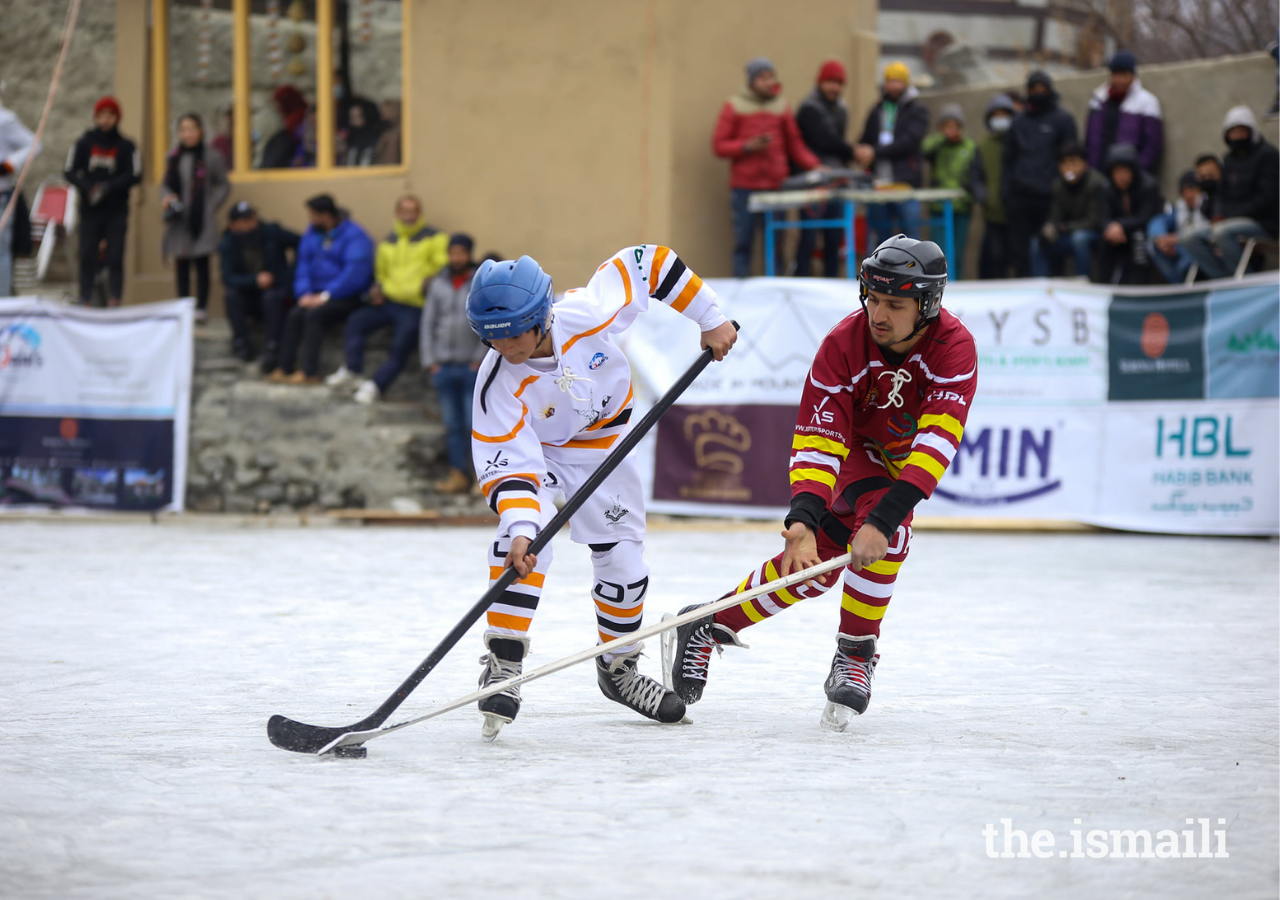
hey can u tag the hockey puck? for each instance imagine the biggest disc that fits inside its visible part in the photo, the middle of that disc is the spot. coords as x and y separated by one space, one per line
351 751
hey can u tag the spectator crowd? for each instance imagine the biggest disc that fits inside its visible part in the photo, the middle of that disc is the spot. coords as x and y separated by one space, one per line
1053 200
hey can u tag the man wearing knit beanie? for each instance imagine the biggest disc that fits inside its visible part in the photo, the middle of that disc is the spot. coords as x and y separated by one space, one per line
823 119
757 133
104 166
890 148
1122 111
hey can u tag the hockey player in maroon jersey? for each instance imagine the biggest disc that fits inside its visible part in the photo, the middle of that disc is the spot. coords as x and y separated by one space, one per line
881 417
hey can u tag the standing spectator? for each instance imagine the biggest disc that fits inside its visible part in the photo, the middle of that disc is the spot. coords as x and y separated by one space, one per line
1167 253
890 148
951 156
988 168
1122 111
823 119
103 166
1245 204
195 184
1075 217
258 280
1031 151
452 353
405 259
1131 200
335 267
758 134
17 143
388 149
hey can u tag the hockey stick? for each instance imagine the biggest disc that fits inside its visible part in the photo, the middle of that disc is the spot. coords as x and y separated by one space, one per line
299 737
360 737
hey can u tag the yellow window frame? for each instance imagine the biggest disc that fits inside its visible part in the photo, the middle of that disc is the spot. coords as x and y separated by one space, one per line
240 88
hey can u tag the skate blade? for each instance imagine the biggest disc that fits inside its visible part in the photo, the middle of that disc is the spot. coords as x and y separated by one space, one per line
836 717
492 725
668 653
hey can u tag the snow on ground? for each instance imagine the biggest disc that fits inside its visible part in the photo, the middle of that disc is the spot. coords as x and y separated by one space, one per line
1129 682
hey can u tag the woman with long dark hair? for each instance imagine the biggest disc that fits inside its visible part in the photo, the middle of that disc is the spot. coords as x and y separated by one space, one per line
195 184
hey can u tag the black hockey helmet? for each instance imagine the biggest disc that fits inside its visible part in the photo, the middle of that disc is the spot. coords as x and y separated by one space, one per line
905 267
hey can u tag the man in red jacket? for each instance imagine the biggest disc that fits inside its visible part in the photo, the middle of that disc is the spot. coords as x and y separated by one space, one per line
758 133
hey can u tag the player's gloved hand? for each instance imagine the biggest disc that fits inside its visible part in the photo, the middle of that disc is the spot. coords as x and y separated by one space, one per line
869 545
519 557
801 550
720 339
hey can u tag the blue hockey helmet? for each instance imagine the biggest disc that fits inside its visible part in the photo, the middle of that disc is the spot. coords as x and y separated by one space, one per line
509 298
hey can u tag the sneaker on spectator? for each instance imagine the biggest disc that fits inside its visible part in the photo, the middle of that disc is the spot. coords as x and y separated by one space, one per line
202 315
367 393
277 376
344 377
301 377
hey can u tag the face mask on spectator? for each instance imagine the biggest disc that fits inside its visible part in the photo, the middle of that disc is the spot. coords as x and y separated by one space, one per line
1070 177
1000 124
1208 185
1240 144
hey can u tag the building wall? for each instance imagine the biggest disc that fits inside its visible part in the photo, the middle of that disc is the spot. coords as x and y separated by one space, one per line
564 130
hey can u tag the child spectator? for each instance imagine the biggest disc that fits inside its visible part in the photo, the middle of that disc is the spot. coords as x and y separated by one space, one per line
988 167
1075 217
405 259
104 166
1130 201
1168 255
258 280
951 155
452 353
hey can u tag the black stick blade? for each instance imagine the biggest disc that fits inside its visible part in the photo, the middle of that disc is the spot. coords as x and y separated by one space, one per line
298 736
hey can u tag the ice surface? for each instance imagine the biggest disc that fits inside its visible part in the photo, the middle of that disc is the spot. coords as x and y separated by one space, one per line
1127 681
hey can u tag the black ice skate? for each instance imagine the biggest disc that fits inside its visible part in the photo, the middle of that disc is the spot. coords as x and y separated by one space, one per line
503 661
686 653
620 682
849 684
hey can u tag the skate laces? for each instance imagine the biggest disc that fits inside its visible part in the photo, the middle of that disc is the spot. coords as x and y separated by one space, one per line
565 383
856 671
639 691
697 657
499 669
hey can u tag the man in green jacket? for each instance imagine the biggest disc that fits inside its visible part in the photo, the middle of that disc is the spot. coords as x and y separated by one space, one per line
405 261
988 171
950 156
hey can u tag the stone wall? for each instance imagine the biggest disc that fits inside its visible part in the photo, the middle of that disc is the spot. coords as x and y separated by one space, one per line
268 448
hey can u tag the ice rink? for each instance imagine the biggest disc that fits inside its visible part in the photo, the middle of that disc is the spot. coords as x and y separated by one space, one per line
1129 682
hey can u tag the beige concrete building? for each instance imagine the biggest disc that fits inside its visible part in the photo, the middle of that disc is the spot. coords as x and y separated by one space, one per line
564 129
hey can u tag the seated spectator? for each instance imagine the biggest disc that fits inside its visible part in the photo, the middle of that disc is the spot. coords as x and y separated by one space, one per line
1122 111
258 280
405 259
890 148
360 138
1075 217
1131 199
823 119
452 353
335 268
1209 176
988 166
950 155
759 136
1245 205
1167 253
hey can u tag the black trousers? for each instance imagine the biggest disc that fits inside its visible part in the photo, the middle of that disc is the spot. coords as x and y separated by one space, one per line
1116 264
201 264
268 306
993 261
305 328
1026 214
95 227
831 239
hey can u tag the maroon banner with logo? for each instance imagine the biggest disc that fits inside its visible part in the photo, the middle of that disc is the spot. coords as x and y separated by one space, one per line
735 455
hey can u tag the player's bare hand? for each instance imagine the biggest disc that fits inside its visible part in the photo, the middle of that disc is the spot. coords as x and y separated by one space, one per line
720 339
801 550
869 545
519 557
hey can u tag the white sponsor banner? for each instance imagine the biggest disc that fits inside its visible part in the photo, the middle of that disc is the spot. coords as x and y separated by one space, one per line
94 404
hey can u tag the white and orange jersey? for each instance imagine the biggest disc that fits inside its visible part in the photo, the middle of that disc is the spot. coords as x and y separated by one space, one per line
577 401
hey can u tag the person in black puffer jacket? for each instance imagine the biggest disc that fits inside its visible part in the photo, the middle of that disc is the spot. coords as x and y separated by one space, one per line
823 119
1131 200
1031 152
258 277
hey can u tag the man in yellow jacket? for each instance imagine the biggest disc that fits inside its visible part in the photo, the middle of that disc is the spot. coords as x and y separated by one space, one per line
406 258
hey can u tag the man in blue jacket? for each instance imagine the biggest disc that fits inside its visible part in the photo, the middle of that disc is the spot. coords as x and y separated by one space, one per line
335 268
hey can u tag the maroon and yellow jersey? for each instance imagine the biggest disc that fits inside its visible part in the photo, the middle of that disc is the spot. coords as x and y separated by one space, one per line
864 412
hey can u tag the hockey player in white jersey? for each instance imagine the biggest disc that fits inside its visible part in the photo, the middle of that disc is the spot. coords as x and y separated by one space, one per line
552 397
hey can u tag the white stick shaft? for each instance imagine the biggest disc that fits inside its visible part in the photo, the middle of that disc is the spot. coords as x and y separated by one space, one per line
360 737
